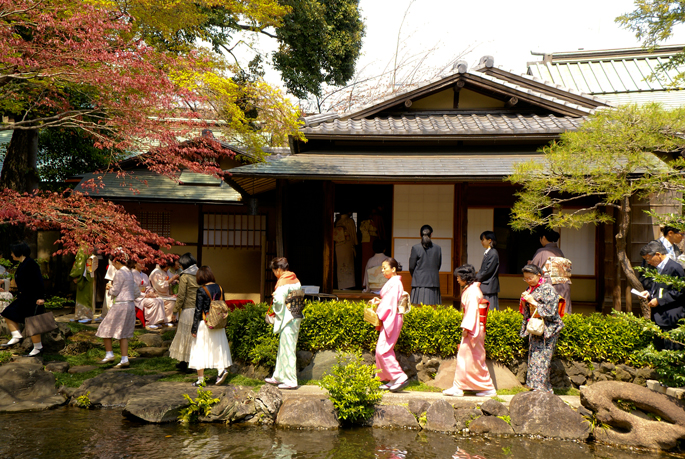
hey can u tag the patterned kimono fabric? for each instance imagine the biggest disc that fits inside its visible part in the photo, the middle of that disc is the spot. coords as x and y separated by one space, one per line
84 287
289 328
391 327
541 347
472 373
344 253
540 258
159 279
153 308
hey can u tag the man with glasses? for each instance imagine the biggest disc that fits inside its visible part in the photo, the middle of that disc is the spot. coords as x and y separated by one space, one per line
667 303
670 240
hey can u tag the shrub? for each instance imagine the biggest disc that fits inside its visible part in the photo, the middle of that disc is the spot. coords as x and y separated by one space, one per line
245 328
83 401
353 388
336 325
202 405
430 331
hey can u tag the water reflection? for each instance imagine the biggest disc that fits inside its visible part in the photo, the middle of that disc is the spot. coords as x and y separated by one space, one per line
73 433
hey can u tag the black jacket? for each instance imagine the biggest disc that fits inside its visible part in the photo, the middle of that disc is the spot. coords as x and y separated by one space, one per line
488 273
202 303
671 301
424 266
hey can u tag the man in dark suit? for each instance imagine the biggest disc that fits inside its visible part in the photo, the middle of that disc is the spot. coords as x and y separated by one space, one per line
666 302
488 273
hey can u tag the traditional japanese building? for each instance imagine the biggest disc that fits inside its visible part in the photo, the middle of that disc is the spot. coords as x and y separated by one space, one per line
438 154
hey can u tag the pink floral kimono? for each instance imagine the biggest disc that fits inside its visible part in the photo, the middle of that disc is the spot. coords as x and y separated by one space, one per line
472 373
390 330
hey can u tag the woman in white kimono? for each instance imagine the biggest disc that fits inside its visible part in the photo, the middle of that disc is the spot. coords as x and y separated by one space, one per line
160 281
285 373
152 307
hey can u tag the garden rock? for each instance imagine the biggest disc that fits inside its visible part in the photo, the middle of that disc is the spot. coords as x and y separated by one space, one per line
620 374
464 416
151 351
557 374
411 366
113 388
236 403
417 407
307 414
322 363
159 402
79 347
577 372
491 425
644 374
545 414
393 417
304 358
494 408
501 376
268 401
27 386
440 417
151 340
444 378
631 430
57 367
522 372
82 369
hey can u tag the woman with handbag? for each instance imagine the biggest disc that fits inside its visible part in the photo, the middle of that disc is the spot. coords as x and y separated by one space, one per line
121 318
285 323
185 310
30 298
390 328
471 372
541 323
209 346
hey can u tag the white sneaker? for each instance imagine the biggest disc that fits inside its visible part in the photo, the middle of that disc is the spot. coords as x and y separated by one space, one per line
453 392
487 393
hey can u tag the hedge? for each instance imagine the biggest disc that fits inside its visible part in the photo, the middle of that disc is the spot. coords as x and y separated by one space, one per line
339 325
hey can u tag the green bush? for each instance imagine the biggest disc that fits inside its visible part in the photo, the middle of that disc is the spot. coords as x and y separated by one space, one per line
353 388
617 338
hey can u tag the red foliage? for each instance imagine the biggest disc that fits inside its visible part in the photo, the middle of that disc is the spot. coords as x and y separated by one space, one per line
83 221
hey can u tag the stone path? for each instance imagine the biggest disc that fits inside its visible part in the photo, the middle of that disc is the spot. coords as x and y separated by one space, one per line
400 398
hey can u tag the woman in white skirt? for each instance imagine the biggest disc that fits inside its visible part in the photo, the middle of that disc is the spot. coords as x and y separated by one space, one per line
121 318
209 348
185 309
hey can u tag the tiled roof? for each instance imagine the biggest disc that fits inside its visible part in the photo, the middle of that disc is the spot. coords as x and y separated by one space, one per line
389 167
149 186
610 72
447 125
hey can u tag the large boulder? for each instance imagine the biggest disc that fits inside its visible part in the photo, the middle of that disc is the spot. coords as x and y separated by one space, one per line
491 425
444 378
113 388
158 403
393 417
322 363
304 358
494 408
57 367
307 414
147 352
440 417
501 376
26 386
545 414
268 401
151 340
418 406
236 404
637 428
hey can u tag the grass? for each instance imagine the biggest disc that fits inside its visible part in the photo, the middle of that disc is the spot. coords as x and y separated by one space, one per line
512 391
5 356
567 391
417 386
76 379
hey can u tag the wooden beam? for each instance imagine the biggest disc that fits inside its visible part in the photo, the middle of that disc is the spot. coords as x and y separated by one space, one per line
513 100
280 190
328 245
407 103
200 233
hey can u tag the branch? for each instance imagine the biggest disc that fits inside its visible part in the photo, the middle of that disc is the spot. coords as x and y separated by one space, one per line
256 29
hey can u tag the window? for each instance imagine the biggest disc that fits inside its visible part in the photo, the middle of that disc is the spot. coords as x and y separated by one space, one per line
231 230
157 222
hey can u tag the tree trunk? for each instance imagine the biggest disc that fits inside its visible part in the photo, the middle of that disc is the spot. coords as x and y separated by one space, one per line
20 169
616 291
623 225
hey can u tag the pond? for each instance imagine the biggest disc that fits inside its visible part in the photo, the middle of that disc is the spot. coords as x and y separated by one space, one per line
68 433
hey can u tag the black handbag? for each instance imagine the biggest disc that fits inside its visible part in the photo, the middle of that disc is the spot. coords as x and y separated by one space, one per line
295 303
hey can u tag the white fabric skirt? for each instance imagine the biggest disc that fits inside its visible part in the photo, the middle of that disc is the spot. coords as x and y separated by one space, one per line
210 349
183 340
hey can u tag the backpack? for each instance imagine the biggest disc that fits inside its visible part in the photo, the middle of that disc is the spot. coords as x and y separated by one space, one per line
218 311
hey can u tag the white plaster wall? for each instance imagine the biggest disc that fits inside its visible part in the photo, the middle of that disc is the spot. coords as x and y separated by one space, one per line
479 220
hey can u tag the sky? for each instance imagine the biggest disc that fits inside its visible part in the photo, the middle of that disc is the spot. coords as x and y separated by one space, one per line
508 30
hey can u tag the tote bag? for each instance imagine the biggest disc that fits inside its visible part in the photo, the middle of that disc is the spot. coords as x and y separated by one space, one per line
39 324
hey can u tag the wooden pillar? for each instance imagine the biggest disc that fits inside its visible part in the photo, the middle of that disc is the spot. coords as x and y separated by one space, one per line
328 247
460 223
200 233
280 191
262 269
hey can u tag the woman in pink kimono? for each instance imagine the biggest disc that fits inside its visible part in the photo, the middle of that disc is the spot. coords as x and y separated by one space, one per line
152 307
472 373
391 325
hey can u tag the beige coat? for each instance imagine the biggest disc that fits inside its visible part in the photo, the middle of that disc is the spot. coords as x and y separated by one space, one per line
187 292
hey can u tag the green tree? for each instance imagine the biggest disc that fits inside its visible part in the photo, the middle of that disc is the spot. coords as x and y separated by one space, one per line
653 22
616 155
